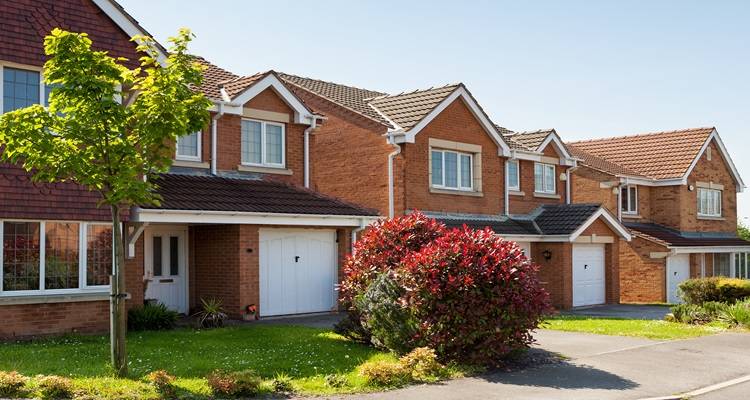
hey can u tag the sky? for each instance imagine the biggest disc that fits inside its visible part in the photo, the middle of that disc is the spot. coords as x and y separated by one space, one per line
588 69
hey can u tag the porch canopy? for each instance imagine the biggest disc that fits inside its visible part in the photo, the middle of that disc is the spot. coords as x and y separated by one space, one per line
690 242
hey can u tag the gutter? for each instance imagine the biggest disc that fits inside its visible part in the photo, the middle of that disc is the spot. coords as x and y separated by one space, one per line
391 196
214 134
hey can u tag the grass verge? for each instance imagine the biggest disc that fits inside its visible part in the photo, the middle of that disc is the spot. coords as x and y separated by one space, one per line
650 329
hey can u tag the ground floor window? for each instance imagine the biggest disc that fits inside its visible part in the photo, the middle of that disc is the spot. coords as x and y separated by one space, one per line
742 265
50 256
721 264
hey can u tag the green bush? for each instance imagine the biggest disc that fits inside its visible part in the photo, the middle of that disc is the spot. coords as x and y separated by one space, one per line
737 314
54 387
282 384
234 384
422 364
385 373
12 384
719 289
152 317
392 326
163 382
212 314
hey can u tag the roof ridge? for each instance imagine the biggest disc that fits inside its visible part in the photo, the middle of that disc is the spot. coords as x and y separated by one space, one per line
330 82
404 93
642 134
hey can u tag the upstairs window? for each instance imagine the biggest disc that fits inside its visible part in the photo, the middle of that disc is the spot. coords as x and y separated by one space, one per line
21 88
544 178
189 147
629 199
452 170
262 143
709 202
513 175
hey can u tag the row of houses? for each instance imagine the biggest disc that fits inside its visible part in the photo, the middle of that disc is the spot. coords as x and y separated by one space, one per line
261 206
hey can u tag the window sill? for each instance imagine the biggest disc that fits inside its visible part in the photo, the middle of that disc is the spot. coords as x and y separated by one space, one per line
264 170
456 192
709 218
547 195
516 193
9 299
634 216
190 164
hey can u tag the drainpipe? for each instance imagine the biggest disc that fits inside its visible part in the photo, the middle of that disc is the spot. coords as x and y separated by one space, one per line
355 231
568 194
506 190
308 131
391 156
619 202
214 130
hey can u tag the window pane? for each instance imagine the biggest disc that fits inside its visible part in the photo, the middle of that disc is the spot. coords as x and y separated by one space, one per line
437 168
273 144
633 199
20 88
188 145
20 256
466 171
61 255
538 178
156 256
721 264
549 178
251 151
98 255
174 255
624 198
513 174
451 169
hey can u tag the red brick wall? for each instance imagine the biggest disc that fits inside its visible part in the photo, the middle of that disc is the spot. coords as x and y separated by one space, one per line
522 204
556 274
642 278
53 318
585 188
715 171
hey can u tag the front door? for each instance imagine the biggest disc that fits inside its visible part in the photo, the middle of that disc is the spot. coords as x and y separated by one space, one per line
678 270
165 266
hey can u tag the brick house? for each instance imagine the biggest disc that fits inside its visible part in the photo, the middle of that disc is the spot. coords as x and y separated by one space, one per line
437 151
677 193
235 223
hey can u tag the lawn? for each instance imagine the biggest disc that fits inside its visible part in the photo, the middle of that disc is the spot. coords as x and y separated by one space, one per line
306 355
660 330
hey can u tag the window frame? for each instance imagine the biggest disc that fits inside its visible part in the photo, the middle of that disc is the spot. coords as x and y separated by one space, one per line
263 162
717 207
183 157
517 187
459 187
629 210
83 287
28 68
544 189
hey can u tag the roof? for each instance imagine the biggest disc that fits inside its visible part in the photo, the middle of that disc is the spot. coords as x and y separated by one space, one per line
213 193
599 163
213 78
506 226
564 219
528 140
673 238
408 109
659 155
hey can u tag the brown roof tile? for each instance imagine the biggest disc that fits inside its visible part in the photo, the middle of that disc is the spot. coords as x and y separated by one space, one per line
407 109
600 164
529 140
659 155
213 77
674 238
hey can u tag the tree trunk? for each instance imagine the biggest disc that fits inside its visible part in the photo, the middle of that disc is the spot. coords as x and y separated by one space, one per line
118 316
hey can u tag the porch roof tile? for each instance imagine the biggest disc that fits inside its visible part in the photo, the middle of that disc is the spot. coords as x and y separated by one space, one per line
675 238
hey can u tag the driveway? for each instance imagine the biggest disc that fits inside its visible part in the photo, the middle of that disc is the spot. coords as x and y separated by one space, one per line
603 367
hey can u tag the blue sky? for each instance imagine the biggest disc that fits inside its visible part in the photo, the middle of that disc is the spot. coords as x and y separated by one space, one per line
588 69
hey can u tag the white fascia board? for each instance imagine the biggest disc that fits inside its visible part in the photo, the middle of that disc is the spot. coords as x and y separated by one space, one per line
558 143
246 218
302 115
709 249
724 153
127 25
611 221
651 182
503 149
538 156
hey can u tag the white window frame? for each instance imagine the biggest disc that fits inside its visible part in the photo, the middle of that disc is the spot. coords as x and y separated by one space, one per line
24 67
518 175
82 270
545 170
632 203
458 154
263 162
183 157
717 208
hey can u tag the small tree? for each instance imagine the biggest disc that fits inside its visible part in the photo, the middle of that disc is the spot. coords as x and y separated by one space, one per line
110 129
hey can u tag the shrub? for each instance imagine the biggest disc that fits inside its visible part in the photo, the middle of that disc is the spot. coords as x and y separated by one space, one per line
690 314
54 387
234 384
720 289
384 373
351 327
391 325
282 384
163 382
335 380
422 364
737 314
212 315
152 317
12 384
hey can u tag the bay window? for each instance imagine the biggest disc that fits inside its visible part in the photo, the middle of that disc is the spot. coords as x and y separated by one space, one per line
262 143
513 175
51 257
452 170
629 199
709 202
189 147
544 178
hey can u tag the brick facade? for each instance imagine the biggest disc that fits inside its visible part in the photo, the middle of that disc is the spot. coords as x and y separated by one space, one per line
525 200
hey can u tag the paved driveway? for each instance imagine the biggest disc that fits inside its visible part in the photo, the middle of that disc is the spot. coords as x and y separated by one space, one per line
603 367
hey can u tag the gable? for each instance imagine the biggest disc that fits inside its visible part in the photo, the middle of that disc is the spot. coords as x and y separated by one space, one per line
456 122
550 151
268 105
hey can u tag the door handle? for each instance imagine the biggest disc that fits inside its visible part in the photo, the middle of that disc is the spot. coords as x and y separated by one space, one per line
296 258
585 266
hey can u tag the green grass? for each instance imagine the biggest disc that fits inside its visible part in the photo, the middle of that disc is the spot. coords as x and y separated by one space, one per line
660 330
306 355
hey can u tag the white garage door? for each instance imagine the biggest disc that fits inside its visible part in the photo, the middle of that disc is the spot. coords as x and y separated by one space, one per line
297 271
678 270
588 274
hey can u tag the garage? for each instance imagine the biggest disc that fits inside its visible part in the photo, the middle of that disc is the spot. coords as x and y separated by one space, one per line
297 271
678 270
588 274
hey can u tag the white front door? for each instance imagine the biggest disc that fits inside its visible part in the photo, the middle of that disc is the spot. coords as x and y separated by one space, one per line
165 266
297 271
588 274
678 270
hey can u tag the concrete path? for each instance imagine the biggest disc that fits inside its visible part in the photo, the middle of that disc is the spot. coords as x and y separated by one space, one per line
602 367
630 311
